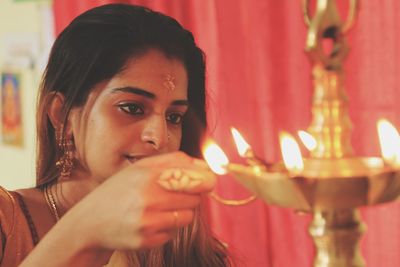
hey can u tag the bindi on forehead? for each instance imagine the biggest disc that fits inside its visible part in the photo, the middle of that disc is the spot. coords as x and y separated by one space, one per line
169 82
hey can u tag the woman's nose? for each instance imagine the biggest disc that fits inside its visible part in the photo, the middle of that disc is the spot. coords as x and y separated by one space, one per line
155 132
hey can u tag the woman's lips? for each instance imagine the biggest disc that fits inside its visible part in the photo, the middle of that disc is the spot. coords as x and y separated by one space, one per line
133 159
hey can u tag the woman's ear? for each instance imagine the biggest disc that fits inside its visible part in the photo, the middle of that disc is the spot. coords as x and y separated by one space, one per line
56 112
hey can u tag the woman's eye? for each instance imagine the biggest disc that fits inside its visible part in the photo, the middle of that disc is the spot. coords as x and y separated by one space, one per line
175 118
132 108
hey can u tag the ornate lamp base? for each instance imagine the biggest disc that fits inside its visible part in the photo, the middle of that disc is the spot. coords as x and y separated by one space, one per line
336 236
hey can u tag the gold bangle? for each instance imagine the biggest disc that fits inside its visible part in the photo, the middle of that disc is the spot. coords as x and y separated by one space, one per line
232 202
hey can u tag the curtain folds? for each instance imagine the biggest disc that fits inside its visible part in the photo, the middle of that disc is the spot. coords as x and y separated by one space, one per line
259 81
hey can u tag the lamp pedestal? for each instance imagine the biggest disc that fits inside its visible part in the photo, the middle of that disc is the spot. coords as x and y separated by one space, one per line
336 236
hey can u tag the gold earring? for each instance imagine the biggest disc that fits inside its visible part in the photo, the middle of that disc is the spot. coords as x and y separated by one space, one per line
66 160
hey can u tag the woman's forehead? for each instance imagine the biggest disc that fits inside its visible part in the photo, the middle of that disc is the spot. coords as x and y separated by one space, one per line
154 72
151 74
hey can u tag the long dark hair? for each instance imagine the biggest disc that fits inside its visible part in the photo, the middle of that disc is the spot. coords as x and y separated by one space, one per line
93 48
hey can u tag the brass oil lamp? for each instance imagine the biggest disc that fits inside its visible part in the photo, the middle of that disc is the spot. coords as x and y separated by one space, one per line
332 183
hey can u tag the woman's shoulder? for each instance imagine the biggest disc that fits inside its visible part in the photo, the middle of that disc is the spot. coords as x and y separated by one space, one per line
15 235
7 210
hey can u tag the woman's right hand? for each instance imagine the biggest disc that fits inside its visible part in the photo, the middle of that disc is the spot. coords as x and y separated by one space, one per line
134 209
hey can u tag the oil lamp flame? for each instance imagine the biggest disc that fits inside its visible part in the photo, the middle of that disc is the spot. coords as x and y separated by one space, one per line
308 140
389 140
241 144
215 157
291 153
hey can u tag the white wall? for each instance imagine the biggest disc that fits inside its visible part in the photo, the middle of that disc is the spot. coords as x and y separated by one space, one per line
26 19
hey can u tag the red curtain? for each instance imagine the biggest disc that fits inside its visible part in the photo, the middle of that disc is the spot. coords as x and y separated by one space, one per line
259 82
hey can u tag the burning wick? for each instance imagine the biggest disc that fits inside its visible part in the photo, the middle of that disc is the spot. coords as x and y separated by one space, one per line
216 158
246 152
219 164
389 140
291 153
308 140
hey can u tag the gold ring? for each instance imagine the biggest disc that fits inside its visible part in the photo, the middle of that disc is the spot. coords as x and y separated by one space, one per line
175 213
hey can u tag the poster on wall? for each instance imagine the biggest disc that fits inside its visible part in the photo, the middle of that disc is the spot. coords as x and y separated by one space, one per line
11 113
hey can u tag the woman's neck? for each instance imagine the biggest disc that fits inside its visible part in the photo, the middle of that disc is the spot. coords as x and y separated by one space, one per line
70 190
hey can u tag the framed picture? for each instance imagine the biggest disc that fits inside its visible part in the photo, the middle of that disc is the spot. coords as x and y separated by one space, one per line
11 113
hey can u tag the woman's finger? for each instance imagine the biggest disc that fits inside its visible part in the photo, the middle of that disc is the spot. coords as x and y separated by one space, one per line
166 221
190 180
171 200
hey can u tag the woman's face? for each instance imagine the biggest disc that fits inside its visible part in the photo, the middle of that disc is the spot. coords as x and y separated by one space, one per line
138 113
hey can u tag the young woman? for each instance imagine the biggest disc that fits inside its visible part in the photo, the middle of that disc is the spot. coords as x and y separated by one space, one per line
123 91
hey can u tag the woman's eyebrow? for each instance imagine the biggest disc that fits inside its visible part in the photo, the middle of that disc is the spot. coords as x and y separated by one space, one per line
134 90
180 103
141 92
